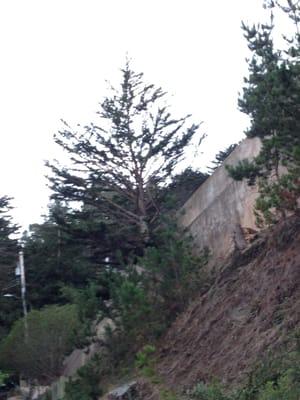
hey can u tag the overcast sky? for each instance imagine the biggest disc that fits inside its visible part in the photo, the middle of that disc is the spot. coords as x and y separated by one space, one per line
57 54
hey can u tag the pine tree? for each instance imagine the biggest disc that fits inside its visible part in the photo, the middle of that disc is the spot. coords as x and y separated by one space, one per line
221 157
271 98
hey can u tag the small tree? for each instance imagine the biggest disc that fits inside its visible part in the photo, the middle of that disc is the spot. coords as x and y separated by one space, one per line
118 165
148 297
39 354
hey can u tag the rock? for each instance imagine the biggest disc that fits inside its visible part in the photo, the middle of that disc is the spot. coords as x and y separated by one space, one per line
19 397
101 328
128 391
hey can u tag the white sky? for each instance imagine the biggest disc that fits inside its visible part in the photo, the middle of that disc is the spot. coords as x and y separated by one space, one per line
57 54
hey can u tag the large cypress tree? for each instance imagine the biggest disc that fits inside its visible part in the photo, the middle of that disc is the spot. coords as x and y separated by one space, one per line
119 162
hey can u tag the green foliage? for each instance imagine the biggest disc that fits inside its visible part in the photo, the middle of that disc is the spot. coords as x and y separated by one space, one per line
279 376
134 305
221 157
55 257
144 361
88 300
36 348
208 392
244 169
143 356
179 190
172 273
89 307
9 307
150 293
124 157
273 379
286 388
86 384
281 195
136 321
166 394
3 378
271 98
8 246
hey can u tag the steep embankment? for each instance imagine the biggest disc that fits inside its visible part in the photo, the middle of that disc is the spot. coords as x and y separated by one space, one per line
251 309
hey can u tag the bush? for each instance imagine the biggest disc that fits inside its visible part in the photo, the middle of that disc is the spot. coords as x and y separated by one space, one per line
39 352
172 273
208 392
86 386
285 389
144 361
274 379
89 307
3 378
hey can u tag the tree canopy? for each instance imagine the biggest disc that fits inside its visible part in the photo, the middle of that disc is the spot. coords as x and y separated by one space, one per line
40 354
271 97
9 309
119 162
221 157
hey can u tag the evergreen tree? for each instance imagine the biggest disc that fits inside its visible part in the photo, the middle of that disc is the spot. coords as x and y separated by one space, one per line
8 245
10 307
59 252
118 165
221 157
271 98
179 190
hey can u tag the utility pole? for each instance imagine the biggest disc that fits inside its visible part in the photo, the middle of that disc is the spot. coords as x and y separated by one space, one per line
23 292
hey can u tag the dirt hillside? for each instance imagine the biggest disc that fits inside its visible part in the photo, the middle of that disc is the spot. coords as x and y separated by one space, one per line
250 310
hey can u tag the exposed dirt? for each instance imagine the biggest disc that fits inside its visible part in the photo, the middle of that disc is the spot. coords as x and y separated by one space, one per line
250 310
147 391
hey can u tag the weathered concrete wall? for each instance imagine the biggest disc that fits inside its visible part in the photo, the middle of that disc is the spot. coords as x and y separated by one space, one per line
215 213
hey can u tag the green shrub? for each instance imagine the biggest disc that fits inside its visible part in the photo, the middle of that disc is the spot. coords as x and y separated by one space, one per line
86 385
89 307
143 357
3 378
285 389
148 298
144 361
270 379
274 379
166 394
173 274
208 392
39 352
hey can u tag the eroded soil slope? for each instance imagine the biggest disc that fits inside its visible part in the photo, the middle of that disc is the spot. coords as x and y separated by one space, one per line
251 309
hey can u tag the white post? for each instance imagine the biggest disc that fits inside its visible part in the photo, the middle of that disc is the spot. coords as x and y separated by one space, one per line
23 291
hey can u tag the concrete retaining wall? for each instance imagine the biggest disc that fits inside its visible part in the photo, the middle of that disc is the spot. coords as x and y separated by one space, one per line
217 211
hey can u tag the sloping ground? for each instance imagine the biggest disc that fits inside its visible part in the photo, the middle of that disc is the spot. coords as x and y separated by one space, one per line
250 310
